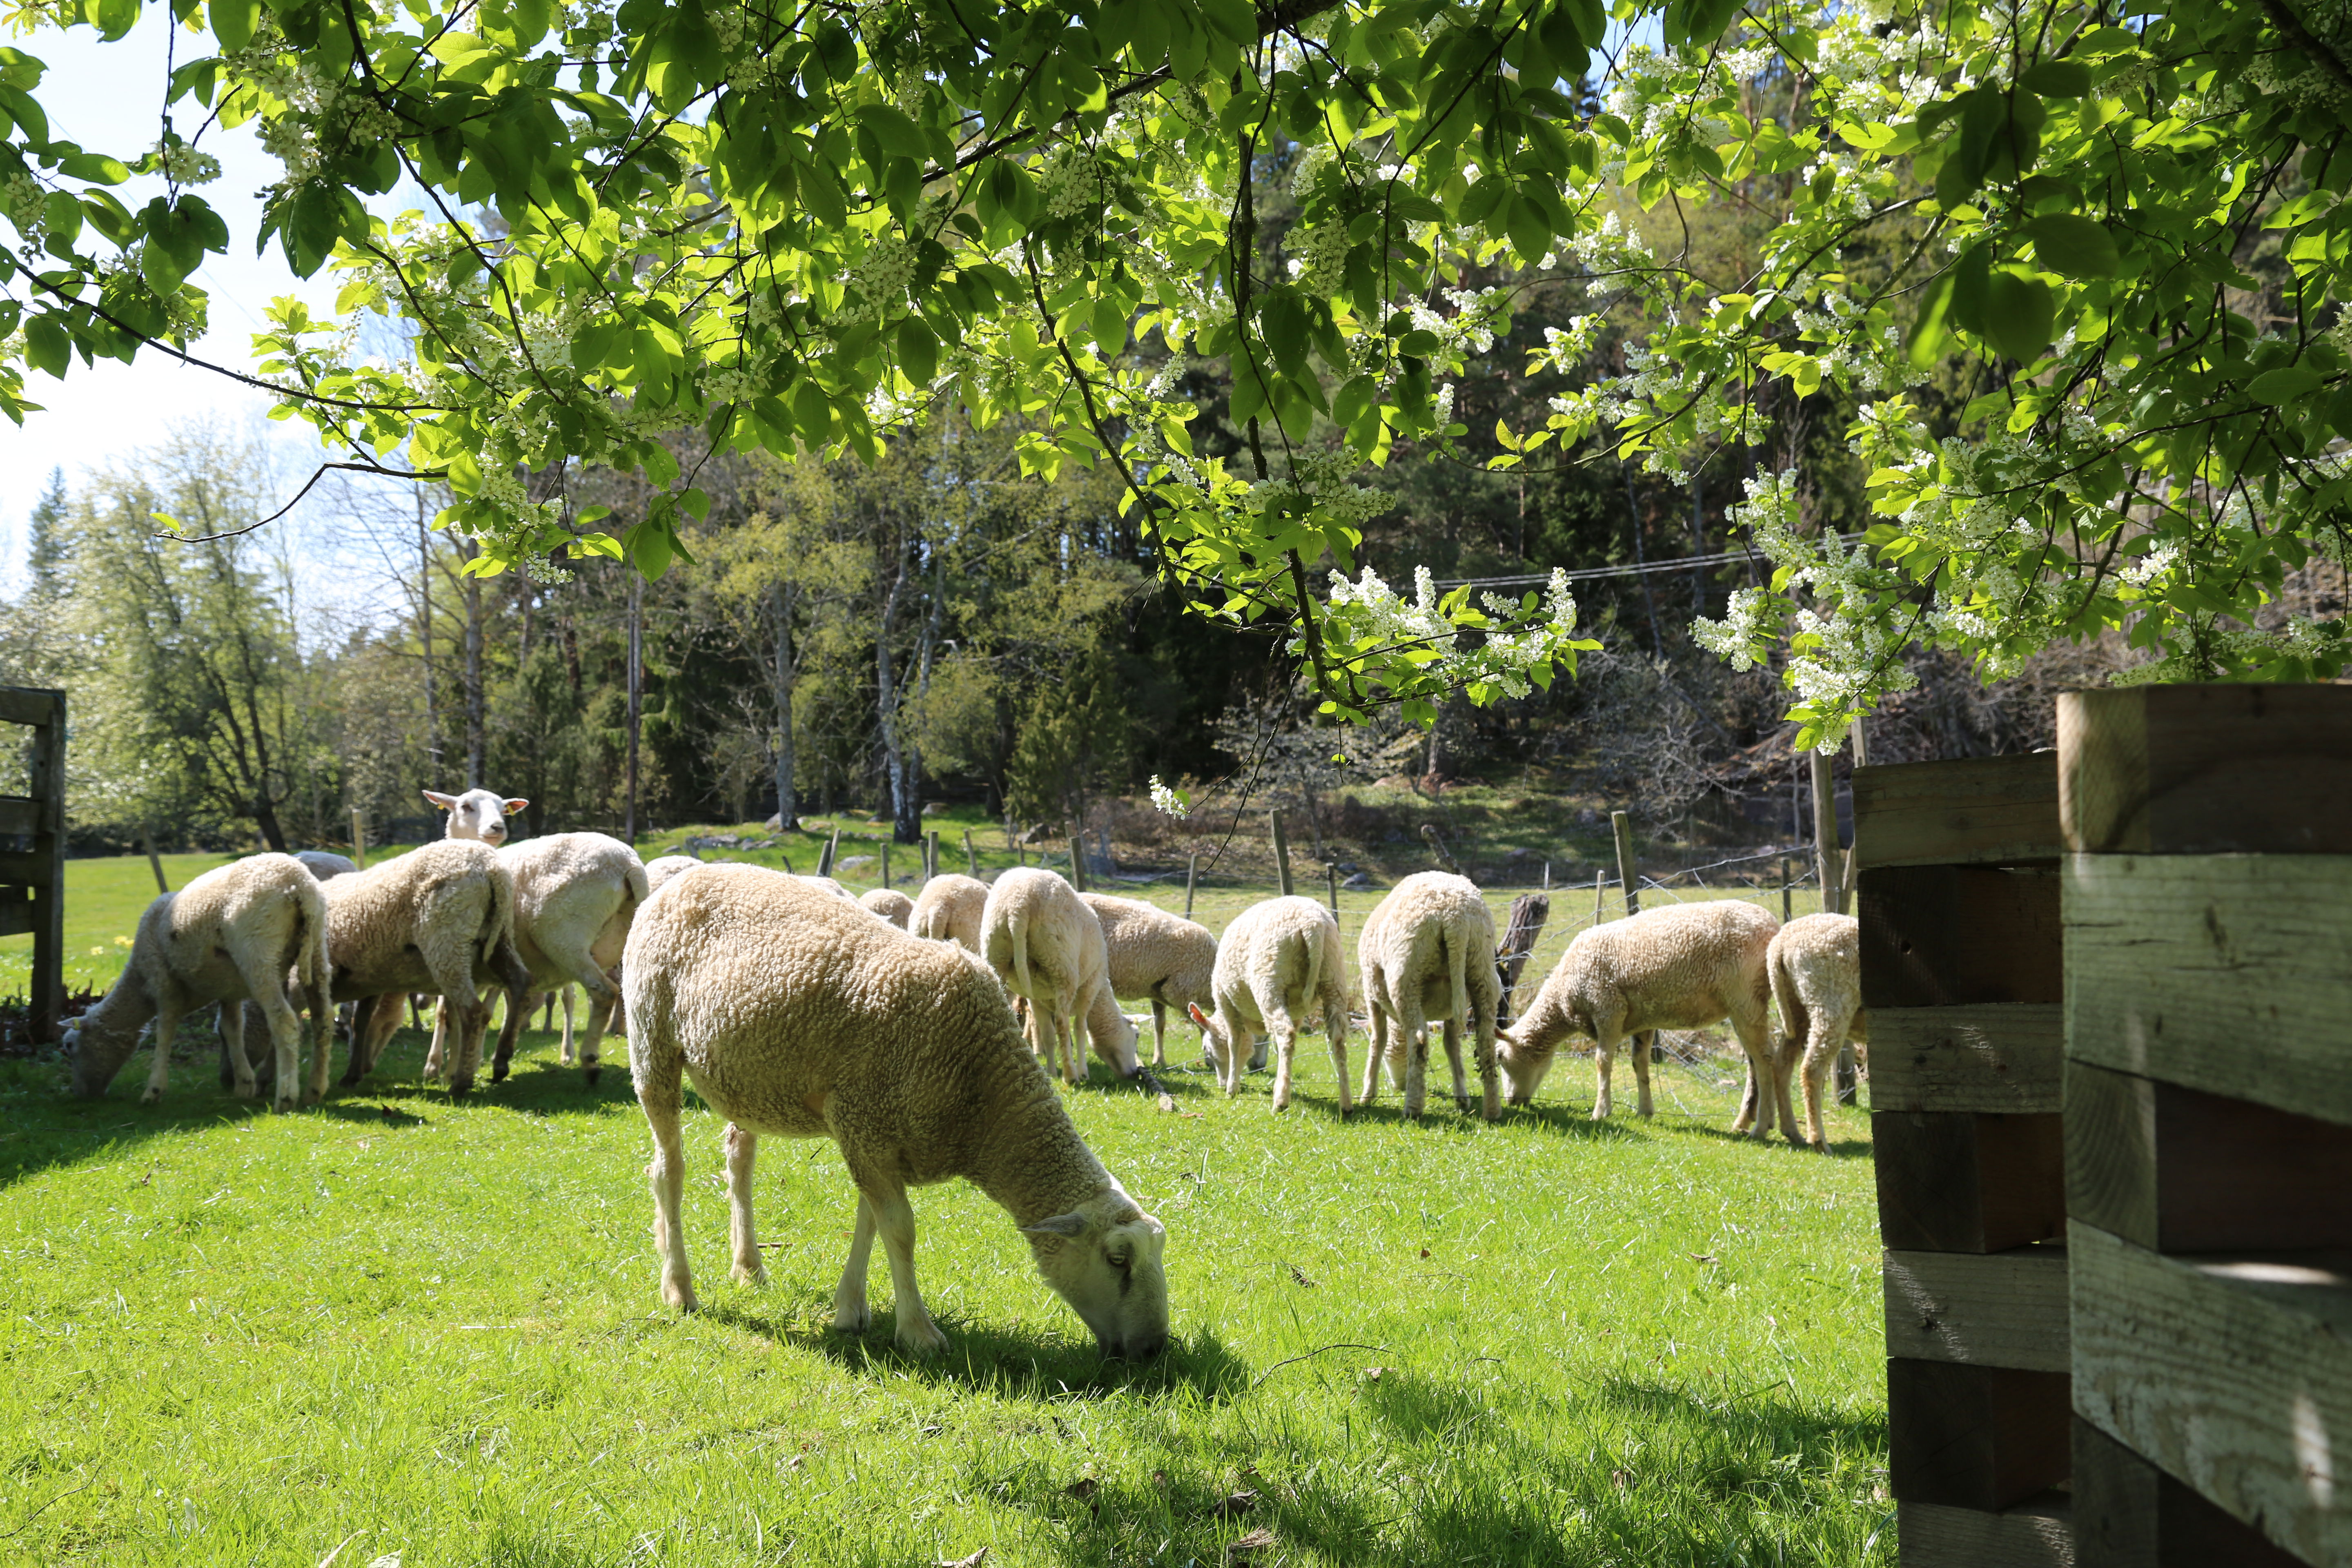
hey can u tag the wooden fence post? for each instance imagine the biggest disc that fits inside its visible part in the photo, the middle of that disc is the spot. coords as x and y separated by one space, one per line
1281 853
1600 886
1528 913
886 859
832 847
154 861
1623 827
1331 880
971 857
930 854
1078 861
359 837
1192 874
1827 856
33 883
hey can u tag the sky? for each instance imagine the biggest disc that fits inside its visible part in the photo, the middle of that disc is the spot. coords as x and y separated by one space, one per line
109 98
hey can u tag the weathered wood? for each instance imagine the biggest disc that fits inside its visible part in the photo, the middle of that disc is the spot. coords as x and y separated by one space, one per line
2233 1374
2230 973
359 843
1079 864
26 867
46 770
18 815
2001 1309
1829 859
2196 770
15 912
2036 1533
1191 876
825 856
155 861
28 705
971 857
1979 811
1982 1437
1998 1057
1958 936
1951 1181
2183 1171
1331 886
1620 828
1281 852
1528 913
2129 1514
930 854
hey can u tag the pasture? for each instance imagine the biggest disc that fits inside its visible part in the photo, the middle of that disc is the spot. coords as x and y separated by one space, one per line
398 1326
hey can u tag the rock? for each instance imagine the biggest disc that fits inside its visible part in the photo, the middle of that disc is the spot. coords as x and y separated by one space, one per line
1358 880
774 825
933 807
846 861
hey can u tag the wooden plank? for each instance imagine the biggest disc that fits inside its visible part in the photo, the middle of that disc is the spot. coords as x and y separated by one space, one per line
15 912
30 868
2233 1374
1959 936
2126 1514
1949 1181
19 814
1999 1057
1974 811
2181 1170
1981 1437
2036 1533
45 785
29 704
2201 770
1999 1309
2231 973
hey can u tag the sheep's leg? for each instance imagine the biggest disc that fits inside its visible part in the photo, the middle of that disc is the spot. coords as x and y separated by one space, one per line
576 961
1771 1084
1335 1029
743 1146
286 1038
1376 1052
473 1021
1159 1033
657 1095
547 1014
1074 1054
1747 1104
1452 1037
1490 1083
1604 1056
440 1032
1644 1044
563 1051
371 1027
600 1014
1225 1050
1821 1050
1284 1030
850 1313
168 1013
894 1217
1259 1043
1412 1031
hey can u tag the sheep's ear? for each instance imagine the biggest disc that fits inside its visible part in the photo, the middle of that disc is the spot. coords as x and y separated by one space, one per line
1200 1019
517 804
1071 1225
444 801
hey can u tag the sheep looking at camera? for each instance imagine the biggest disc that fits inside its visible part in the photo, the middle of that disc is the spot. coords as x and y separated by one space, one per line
1427 956
796 1017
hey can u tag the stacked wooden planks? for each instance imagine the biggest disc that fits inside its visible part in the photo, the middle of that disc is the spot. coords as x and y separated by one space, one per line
33 878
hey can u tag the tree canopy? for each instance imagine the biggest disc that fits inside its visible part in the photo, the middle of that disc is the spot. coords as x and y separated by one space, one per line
2076 275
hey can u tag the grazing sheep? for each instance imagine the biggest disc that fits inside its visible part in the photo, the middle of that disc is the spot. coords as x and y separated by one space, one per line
437 918
662 868
1157 956
948 909
477 814
795 1017
1045 944
233 935
325 863
1427 954
1815 966
1274 962
1680 966
891 904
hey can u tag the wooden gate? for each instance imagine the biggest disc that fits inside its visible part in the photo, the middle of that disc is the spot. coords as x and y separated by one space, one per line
33 880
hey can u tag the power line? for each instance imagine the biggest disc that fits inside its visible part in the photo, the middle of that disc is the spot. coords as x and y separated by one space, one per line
1586 574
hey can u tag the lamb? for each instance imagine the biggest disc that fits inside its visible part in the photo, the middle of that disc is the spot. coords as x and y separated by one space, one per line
1046 945
1274 962
325 863
438 918
1427 954
662 868
797 1017
233 935
1157 956
891 904
948 909
1815 966
1680 966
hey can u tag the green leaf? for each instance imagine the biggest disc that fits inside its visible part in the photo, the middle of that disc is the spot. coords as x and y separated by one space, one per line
2019 313
95 167
1529 230
233 22
648 544
919 351
2285 385
2074 246
47 346
2058 78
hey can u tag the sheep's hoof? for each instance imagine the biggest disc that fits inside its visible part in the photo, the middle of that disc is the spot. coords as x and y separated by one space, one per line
852 1320
921 1339
459 1088
594 1073
755 1276
151 1097
498 1072
679 1294
1462 1103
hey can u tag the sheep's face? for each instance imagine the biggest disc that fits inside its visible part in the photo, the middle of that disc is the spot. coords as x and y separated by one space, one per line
98 1055
1524 1064
1104 1257
1212 1036
477 814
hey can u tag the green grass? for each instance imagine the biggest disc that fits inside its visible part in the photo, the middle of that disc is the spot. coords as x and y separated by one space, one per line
400 1324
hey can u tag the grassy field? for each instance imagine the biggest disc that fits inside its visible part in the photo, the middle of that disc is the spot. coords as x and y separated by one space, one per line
401 1325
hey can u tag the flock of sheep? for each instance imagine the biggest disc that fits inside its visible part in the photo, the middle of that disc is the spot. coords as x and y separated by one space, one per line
912 1032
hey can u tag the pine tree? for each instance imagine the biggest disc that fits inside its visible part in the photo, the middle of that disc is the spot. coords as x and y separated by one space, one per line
49 556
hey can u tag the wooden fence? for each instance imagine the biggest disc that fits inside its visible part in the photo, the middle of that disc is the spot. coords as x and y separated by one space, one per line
1958 899
2209 1122
33 880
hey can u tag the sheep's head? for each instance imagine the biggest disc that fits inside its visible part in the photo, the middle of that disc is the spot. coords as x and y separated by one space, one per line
1212 1036
1104 1258
477 814
96 1053
1524 1061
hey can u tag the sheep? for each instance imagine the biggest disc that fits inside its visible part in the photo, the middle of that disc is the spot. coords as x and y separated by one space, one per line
1046 945
233 935
477 814
1427 954
1681 966
948 909
796 1018
1274 962
662 868
325 863
1156 955
1815 966
830 886
891 904
575 894
439 918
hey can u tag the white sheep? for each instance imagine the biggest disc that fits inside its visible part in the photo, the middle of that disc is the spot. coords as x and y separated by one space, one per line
1679 967
1047 946
662 868
891 904
232 935
1427 956
325 863
477 814
948 909
830 886
1155 956
1276 962
795 1017
1815 966
439 918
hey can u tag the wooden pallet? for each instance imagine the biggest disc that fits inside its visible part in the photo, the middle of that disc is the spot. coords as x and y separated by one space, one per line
2209 1122
1958 884
33 878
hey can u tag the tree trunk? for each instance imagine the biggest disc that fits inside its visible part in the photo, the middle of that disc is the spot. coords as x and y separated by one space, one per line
787 674
265 816
425 636
905 813
477 737
635 676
